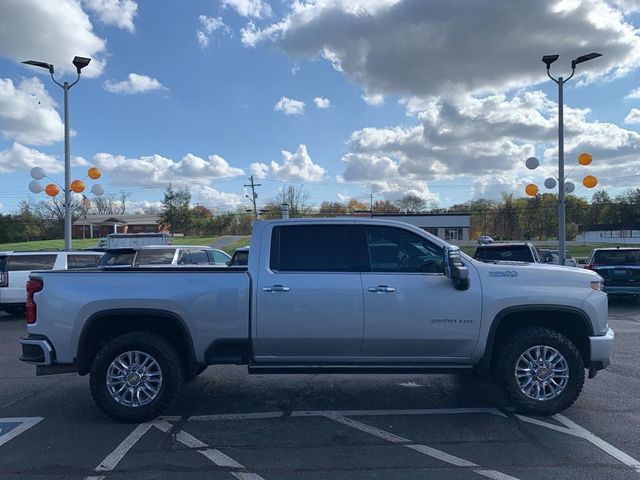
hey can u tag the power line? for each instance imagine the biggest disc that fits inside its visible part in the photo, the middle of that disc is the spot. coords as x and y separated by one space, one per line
254 195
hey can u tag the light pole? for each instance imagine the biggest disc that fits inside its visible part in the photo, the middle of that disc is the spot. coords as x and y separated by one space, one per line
79 63
548 60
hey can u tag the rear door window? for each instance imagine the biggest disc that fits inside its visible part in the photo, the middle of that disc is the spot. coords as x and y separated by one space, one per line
315 248
155 256
81 261
30 262
199 256
218 257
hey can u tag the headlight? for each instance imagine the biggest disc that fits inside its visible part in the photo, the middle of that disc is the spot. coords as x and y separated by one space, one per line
597 285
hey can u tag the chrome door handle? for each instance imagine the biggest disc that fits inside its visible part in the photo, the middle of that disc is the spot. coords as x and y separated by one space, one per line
382 289
276 288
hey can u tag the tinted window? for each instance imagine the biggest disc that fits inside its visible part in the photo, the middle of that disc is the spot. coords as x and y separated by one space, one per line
314 248
218 257
155 256
184 257
398 250
508 253
240 258
3 259
617 257
199 257
30 262
117 258
81 261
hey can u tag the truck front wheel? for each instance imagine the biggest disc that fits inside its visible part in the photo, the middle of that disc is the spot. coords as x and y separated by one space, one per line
542 370
135 377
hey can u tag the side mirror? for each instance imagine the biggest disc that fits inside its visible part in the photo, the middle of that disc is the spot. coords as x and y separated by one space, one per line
455 269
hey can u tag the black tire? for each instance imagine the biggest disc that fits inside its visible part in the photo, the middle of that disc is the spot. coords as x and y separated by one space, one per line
519 342
171 369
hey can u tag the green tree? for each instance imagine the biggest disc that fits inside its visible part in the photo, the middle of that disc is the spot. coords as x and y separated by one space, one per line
176 212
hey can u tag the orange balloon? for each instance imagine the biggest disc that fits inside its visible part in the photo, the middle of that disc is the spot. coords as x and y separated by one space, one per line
51 189
94 173
589 181
77 186
531 189
585 158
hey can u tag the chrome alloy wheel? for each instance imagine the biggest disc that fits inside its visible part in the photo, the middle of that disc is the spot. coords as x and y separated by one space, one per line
542 373
134 379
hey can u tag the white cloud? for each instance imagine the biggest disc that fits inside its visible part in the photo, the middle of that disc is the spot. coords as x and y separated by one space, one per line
249 8
114 12
52 32
209 26
19 157
159 170
633 117
296 166
28 114
135 83
289 106
322 102
634 94
483 137
374 100
214 199
428 48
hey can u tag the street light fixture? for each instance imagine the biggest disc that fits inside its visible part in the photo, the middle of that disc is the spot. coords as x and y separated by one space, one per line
79 63
548 60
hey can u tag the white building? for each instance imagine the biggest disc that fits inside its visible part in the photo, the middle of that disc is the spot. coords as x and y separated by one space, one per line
608 234
448 226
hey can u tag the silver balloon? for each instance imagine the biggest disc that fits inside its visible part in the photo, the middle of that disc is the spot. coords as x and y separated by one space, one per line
550 183
569 187
532 163
34 186
97 190
37 173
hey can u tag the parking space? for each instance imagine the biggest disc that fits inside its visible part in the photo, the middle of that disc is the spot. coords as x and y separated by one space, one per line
230 425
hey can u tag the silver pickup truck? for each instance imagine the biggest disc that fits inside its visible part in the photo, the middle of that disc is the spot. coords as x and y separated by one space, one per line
325 296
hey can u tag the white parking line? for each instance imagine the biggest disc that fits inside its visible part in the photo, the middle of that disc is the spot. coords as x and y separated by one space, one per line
572 428
424 449
344 413
214 455
25 424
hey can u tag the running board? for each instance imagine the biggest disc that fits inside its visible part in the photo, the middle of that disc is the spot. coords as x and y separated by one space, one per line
362 369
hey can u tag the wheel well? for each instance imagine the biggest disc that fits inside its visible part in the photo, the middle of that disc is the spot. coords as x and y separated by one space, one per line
100 330
570 324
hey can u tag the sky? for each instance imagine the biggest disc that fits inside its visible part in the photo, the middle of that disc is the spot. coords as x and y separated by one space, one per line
445 99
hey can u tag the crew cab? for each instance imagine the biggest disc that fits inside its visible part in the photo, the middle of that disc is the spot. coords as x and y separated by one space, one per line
322 296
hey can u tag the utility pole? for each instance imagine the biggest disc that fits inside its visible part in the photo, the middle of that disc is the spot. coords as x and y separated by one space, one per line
254 195
371 205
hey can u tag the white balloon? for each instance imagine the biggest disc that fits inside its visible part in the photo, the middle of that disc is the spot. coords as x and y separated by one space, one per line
550 183
34 186
569 187
532 163
97 190
37 173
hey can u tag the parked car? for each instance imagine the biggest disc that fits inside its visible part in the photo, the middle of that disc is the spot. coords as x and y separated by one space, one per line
180 255
483 239
15 268
553 256
314 300
508 252
240 257
620 268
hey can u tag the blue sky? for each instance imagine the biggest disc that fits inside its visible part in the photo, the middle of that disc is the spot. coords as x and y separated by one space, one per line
348 98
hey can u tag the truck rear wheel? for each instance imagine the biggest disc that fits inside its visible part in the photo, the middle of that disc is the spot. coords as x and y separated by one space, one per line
135 377
542 371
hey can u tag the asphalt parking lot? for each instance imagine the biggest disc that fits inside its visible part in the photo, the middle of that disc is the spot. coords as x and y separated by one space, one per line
227 425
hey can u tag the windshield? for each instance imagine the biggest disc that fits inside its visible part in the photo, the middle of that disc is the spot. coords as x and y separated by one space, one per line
155 256
617 257
117 258
507 253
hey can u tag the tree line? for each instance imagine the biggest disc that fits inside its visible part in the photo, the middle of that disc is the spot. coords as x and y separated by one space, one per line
531 218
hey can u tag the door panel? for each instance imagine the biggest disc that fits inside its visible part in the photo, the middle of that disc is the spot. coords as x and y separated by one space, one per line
412 310
309 295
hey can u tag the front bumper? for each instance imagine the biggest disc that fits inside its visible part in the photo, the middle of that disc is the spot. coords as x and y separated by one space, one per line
601 348
621 290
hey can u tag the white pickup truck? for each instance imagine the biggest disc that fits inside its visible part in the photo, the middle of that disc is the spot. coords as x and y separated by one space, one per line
325 296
